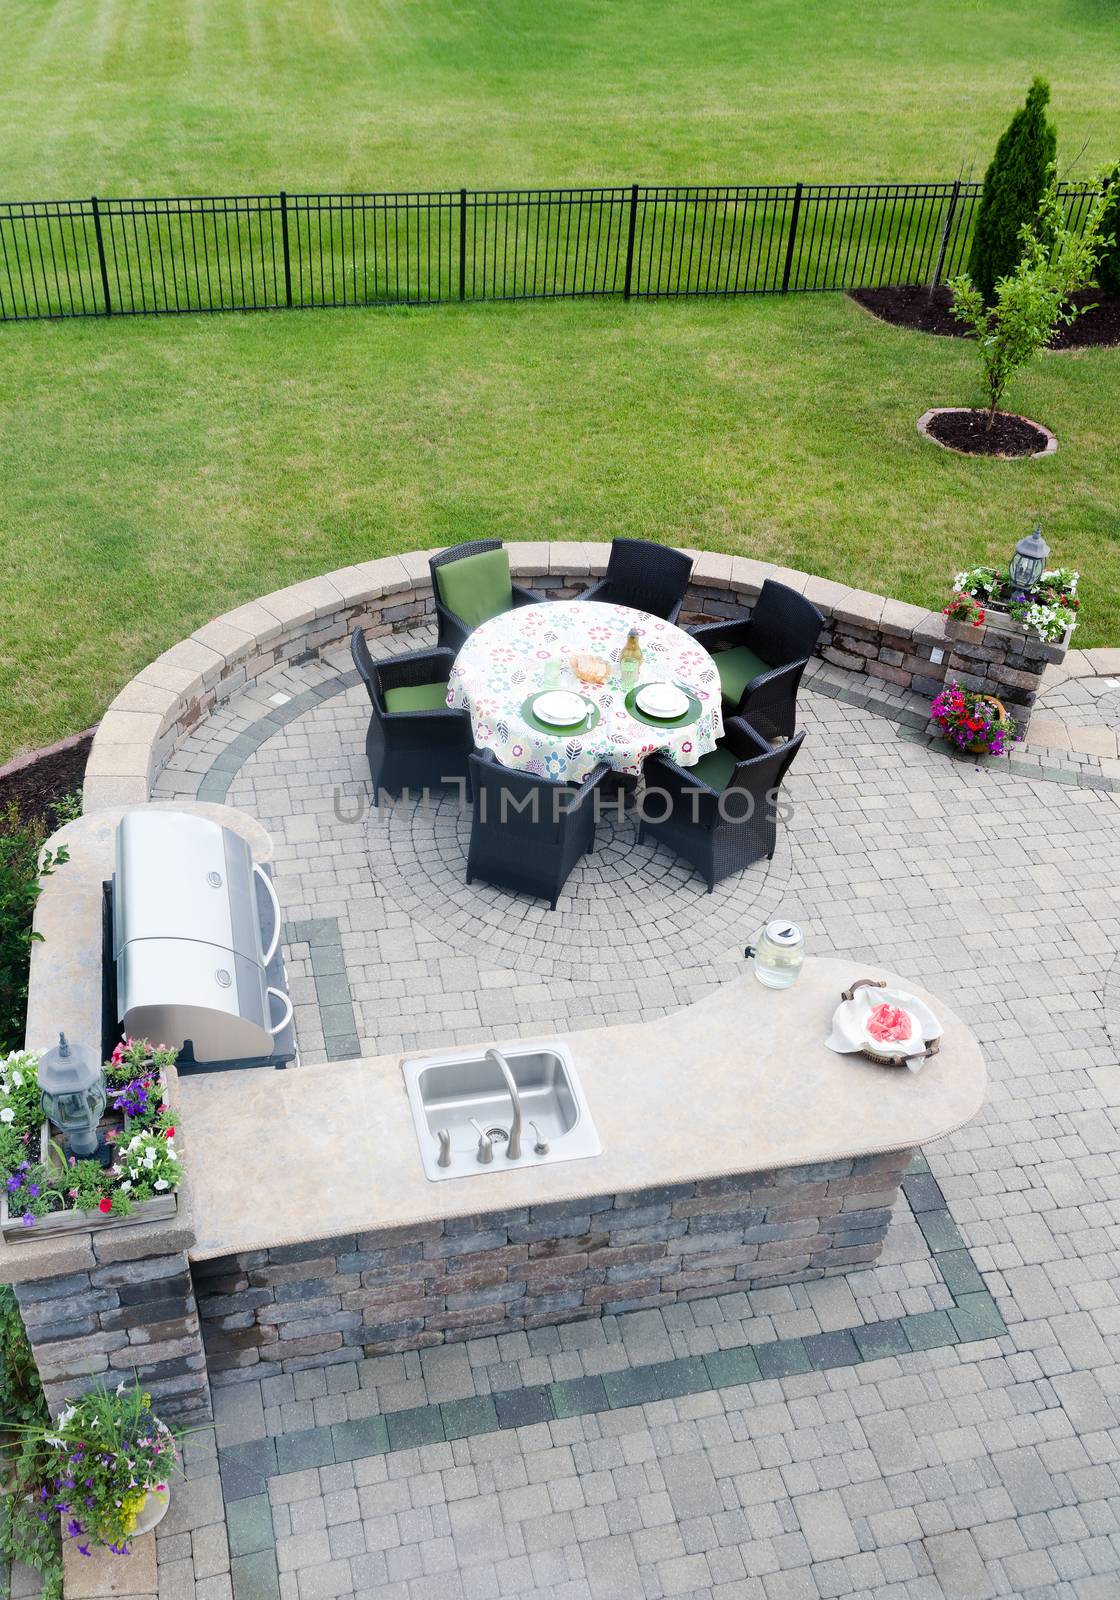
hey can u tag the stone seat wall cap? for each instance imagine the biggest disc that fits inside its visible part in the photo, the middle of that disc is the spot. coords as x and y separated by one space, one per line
825 593
152 699
119 758
302 602
578 558
371 580
253 619
791 578
860 606
111 790
748 575
415 564
189 655
712 569
528 558
901 615
231 642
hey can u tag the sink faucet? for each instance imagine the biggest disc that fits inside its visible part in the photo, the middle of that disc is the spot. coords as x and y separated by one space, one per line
513 1149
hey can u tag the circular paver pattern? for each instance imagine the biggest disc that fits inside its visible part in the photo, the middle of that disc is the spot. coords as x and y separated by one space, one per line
637 903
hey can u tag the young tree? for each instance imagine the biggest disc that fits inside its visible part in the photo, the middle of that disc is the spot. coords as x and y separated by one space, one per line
1108 267
1013 187
1033 300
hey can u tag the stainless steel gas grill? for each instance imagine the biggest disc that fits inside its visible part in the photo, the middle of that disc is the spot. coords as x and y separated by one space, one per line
196 951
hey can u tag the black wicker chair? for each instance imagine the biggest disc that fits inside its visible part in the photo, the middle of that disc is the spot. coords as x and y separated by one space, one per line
414 740
762 657
454 630
722 813
528 832
645 576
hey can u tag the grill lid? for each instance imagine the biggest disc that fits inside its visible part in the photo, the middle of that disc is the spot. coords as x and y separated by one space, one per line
184 877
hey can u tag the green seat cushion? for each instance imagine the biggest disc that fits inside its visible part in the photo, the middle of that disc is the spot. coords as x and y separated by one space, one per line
417 697
715 768
476 588
737 667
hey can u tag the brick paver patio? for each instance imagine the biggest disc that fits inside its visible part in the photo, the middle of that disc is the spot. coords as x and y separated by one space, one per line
796 1443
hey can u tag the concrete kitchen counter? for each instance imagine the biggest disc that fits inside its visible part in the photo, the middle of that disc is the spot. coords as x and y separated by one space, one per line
740 1082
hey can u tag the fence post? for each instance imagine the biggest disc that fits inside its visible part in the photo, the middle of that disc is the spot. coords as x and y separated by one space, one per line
287 253
953 198
462 244
630 240
101 255
792 237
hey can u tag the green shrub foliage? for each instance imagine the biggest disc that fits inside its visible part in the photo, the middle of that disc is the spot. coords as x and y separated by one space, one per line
20 873
1013 188
1108 267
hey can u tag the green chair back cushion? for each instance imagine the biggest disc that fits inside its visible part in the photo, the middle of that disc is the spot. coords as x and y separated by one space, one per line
476 588
715 768
417 697
737 667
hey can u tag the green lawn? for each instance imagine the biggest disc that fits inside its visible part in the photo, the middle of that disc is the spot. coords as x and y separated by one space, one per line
160 471
188 96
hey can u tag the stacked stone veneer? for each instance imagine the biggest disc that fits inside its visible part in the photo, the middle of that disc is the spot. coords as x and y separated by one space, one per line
865 634
496 1272
101 1305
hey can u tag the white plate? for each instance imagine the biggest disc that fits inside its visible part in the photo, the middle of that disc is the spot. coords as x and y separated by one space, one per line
661 700
560 707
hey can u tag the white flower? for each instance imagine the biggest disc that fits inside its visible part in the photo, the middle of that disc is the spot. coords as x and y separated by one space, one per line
160 1183
17 1079
120 1387
7 1115
126 1186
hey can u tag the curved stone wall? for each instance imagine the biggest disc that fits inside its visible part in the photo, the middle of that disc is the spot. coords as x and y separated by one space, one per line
864 634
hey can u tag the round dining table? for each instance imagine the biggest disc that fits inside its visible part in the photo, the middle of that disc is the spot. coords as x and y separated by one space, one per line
509 660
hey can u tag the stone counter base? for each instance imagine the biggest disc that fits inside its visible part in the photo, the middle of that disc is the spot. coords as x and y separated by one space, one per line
500 1272
114 1319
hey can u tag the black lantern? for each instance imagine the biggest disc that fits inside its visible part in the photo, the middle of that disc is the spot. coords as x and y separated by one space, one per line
72 1093
1029 561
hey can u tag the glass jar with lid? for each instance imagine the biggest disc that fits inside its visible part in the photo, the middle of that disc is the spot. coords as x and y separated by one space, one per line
778 954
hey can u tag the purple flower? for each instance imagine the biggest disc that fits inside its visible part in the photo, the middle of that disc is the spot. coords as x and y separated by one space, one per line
34 1190
83 1549
14 1183
74 1528
28 1219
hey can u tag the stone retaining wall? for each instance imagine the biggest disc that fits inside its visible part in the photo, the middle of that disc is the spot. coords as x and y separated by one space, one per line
497 1272
865 634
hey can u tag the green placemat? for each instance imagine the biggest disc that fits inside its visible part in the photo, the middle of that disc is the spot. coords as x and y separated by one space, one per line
683 721
558 731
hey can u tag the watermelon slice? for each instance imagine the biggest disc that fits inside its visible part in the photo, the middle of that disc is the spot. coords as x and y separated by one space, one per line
890 1024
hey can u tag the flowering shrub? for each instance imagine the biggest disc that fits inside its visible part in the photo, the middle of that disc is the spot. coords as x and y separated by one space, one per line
109 1451
38 1182
972 721
1048 610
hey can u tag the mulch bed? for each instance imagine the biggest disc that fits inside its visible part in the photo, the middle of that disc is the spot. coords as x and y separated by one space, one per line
968 431
39 781
916 307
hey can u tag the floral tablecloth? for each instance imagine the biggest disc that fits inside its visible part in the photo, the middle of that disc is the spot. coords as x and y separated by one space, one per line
503 663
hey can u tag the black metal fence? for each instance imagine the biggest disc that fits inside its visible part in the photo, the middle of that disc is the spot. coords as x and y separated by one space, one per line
97 257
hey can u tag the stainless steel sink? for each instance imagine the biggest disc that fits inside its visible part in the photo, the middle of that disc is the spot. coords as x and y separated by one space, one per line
466 1097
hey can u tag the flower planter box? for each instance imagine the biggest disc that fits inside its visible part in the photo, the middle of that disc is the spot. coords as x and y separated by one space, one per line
14 1231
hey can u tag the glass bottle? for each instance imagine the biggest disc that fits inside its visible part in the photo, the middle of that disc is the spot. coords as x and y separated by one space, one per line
630 660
